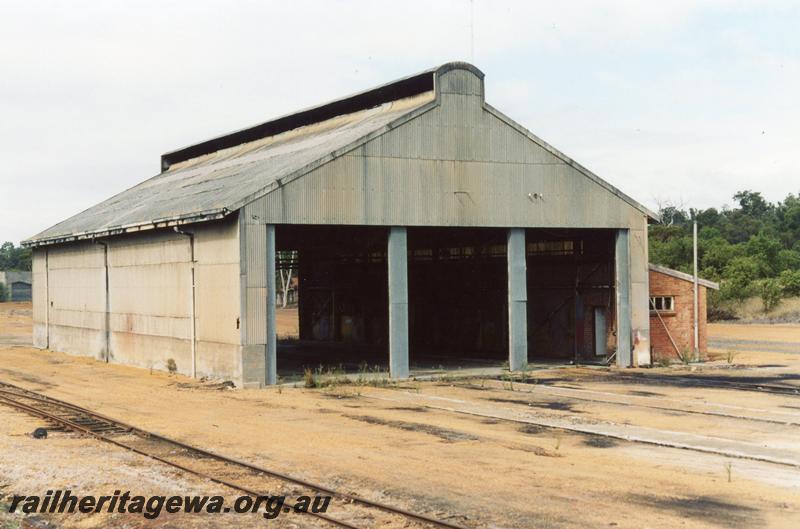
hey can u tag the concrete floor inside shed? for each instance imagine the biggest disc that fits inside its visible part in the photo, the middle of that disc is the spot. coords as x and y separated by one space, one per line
352 360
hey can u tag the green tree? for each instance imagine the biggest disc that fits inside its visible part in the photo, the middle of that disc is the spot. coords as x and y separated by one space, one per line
14 258
739 278
752 204
790 282
787 214
714 256
764 250
740 246
770 292
788 260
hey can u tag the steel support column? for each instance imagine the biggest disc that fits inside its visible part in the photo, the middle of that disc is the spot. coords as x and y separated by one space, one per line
271 349
517 300
623 283
397 257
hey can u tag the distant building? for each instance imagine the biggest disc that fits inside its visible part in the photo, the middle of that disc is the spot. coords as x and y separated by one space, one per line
18 283
672 312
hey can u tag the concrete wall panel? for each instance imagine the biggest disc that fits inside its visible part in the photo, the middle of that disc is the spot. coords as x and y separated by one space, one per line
150 297
76 293
39 297
253 365
149 351
219 360
217 279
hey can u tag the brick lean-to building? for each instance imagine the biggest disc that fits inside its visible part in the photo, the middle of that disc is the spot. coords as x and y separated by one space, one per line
671 312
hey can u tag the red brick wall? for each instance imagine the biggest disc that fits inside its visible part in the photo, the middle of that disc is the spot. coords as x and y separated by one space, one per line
678 322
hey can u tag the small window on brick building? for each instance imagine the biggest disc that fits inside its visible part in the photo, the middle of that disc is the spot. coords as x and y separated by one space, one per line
662 303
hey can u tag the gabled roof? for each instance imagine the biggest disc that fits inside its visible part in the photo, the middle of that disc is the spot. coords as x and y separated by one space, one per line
684 276
211 179
215 184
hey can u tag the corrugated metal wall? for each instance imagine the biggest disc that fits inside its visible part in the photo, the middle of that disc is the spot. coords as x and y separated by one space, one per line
640 295
255 295
456 165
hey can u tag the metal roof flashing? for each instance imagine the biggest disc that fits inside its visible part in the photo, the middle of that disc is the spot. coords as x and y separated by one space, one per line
677 274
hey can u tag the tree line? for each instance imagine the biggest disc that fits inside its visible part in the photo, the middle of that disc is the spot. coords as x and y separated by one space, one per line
14 257
751 249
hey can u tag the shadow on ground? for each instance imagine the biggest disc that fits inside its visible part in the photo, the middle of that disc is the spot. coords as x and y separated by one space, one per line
703 508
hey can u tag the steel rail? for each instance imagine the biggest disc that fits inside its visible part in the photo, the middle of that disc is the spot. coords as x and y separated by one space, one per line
273 473
697 381
88 431
639 405
712 383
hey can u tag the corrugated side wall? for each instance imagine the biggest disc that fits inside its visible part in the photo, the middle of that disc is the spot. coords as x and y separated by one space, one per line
253 284
640 295
462 164
150 299
458 164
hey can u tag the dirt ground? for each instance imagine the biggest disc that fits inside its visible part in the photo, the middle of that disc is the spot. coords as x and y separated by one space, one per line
287 322
552 453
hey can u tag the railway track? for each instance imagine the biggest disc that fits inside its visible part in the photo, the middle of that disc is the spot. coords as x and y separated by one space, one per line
713 383
346 509
558 397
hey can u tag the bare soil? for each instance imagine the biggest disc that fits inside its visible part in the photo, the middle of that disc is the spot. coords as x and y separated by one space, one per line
398 444
287 322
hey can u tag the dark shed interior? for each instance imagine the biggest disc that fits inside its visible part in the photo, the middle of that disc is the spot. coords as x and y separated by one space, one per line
457 294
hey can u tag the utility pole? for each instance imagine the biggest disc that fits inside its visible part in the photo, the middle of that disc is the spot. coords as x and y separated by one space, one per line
696 303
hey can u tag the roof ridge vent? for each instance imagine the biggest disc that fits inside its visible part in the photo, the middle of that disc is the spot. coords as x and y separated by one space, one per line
400 89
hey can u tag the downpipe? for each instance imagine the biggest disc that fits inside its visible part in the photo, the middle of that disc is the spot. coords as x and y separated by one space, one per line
107 324
194 320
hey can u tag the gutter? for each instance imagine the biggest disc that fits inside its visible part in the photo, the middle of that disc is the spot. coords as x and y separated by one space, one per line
167 222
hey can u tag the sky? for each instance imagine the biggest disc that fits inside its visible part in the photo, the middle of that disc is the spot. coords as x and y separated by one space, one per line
675 103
